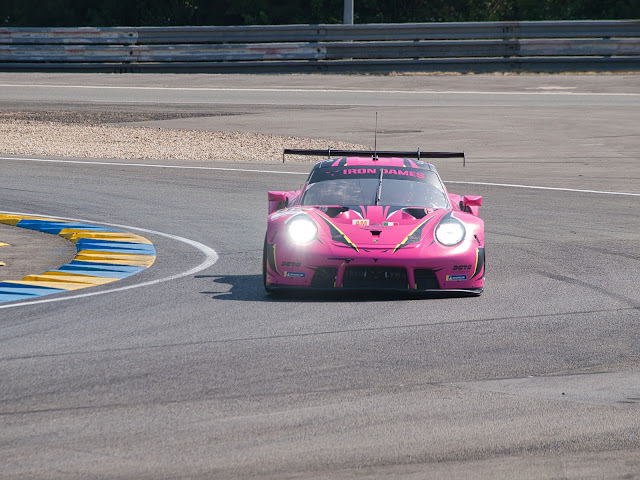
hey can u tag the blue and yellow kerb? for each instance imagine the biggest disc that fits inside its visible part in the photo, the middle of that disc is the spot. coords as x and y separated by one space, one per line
103 255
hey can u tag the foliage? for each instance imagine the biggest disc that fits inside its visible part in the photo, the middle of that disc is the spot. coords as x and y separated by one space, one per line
104 13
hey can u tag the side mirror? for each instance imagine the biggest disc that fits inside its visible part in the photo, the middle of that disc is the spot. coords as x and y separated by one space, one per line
471 201
470 204
277 201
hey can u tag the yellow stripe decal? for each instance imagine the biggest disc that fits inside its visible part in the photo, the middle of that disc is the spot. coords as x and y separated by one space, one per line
404 242
347 239
475 267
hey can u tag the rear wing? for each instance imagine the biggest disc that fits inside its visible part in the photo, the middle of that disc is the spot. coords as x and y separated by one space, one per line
374 154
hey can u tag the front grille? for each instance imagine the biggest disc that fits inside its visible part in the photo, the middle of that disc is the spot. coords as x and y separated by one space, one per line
426 279
324 277
375 277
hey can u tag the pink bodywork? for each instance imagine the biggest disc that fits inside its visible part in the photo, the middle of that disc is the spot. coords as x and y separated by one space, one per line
405 242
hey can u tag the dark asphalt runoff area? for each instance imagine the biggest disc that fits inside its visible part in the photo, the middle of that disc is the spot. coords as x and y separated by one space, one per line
171 374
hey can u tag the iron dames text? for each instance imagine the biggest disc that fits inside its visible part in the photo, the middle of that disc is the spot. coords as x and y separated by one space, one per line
385 171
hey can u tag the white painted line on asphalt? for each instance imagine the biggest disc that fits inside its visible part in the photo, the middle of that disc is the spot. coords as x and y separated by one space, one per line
282 172
551 87
148 165
324 90
210 254
533 187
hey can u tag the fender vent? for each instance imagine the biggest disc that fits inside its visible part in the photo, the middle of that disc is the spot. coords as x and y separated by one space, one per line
416 212
333 212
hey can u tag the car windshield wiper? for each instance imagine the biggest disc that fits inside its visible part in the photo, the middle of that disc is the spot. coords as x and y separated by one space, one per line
379 194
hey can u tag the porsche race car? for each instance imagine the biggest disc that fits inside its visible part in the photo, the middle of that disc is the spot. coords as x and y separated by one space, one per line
374 221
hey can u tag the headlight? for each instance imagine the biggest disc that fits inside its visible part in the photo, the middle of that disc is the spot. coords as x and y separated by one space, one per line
450 232
302 230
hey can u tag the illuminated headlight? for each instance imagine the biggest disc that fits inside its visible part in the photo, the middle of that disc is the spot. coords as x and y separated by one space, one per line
450 232
302 230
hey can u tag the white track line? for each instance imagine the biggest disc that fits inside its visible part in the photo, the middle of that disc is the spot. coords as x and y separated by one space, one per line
148 165
281 172
210 254
533 187
323 90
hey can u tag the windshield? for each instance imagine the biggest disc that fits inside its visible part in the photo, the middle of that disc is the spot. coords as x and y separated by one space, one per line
403 187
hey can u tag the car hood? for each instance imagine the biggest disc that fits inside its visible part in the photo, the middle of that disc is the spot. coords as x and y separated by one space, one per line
377 226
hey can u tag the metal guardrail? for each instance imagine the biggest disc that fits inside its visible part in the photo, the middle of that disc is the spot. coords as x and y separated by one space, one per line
569 45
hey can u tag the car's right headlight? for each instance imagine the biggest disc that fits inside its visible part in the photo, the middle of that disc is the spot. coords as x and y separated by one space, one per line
302 229
450 231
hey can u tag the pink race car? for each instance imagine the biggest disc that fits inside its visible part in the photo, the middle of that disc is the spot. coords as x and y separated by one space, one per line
374 221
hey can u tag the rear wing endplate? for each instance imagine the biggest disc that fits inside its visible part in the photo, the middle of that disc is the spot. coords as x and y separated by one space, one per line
370 153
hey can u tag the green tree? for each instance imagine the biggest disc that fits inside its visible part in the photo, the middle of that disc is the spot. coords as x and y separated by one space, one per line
104 13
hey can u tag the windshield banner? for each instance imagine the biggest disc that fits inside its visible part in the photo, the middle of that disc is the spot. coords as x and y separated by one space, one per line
395 173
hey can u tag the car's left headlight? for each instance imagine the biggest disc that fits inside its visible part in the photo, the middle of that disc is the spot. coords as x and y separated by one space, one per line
302 230
450 232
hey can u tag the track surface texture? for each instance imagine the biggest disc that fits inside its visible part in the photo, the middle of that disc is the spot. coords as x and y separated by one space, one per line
206 376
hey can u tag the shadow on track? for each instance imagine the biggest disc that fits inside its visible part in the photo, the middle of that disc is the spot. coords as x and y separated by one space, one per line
248 288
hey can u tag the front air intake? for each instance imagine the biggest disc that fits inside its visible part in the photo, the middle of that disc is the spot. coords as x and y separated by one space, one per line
426 279
372 278
324 277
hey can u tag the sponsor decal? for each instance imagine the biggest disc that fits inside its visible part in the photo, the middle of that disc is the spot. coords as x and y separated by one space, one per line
290 264
390 224
462 267
295 274
456 278
335 171
385 171
360 222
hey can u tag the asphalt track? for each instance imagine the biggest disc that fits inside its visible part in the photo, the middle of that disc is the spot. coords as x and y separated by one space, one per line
178 372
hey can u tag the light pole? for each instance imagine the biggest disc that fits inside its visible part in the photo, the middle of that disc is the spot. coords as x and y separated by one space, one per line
348 12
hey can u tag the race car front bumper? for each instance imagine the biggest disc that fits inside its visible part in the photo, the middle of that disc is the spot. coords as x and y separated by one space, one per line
437 269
